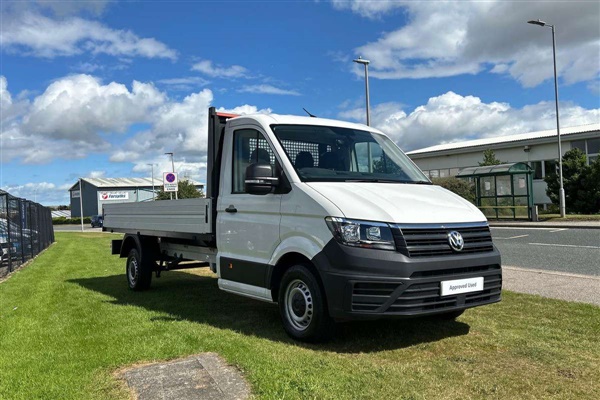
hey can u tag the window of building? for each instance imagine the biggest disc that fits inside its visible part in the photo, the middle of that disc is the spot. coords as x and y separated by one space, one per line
454 171
593 146
550 167
578 144
434 173
537 169
444 173
590 147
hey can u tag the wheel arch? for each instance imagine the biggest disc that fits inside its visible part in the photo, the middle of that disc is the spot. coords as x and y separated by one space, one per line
147 246
284 263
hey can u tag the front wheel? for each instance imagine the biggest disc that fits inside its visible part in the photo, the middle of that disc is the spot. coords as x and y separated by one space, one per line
139 272
302 306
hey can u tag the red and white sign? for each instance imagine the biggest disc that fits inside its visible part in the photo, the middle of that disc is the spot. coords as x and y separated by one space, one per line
170 181
111 196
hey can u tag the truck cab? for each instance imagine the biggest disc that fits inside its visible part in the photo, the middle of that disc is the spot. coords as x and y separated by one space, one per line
333 222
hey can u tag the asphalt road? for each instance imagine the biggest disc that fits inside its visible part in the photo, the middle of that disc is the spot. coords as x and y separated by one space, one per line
72 228
573 251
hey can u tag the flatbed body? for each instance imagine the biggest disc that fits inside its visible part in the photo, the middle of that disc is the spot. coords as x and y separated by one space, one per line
183 219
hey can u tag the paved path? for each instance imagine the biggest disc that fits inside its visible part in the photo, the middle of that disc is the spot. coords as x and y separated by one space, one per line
202 376
556 285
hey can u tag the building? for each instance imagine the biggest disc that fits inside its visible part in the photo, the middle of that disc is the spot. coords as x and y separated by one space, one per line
538 149
99 191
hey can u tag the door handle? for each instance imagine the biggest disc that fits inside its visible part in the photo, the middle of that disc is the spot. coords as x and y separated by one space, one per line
231 209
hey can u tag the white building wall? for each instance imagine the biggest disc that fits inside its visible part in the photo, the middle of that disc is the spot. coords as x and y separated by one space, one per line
506 153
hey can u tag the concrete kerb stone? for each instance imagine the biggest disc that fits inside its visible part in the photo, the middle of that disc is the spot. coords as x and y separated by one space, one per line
551 284
557 225
201 376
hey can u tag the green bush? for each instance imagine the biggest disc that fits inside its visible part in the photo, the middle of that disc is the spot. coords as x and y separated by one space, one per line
581 183
70 221
461 187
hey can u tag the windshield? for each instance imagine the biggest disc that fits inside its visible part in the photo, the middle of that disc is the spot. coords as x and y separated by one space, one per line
330 154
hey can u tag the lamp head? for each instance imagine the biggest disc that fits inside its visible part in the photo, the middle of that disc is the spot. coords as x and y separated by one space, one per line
537 22
361 60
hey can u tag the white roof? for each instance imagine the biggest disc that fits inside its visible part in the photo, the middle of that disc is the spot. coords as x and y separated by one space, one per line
126 182
269 119
507 139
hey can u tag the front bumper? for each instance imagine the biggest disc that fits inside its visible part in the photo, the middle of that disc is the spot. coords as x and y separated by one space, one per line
369 284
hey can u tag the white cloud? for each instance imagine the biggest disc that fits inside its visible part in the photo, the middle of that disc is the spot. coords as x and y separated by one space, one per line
35 191
451 117
177 126
68 119
74 7
245 110
451 38
184 84
369 9
267 89
78 107
96 174
206 67
37 35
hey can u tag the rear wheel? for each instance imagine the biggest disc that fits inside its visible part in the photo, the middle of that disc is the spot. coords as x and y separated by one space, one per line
138 271
302 306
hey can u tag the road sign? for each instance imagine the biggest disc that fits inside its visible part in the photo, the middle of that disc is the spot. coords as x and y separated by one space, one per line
170 181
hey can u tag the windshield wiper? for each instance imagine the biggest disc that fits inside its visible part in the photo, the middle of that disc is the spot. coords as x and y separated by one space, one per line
390 181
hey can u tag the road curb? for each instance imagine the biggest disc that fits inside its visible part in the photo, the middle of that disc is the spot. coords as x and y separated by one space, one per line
543 271
555 285
543 225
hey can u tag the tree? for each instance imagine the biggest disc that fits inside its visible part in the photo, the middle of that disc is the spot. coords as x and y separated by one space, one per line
461 187
581 183
489 158
186 190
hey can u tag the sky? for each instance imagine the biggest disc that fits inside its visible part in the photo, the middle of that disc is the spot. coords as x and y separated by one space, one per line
105 88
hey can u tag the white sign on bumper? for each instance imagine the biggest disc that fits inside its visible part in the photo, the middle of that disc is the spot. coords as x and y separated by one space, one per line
459 286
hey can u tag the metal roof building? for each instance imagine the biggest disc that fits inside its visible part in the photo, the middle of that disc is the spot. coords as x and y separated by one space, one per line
538 149
99 191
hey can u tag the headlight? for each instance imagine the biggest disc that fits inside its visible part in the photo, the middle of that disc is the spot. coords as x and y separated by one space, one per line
372 235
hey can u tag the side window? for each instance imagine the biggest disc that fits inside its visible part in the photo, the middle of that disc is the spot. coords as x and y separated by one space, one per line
249 147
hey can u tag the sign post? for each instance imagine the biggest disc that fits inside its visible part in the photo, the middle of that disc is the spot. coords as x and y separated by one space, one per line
170 182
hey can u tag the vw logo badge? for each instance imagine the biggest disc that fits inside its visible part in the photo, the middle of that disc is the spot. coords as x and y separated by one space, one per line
455 240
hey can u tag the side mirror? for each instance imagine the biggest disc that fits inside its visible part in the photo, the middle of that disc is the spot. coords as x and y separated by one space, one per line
259 179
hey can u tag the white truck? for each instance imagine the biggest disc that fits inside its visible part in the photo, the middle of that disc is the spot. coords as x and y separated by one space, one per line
329 219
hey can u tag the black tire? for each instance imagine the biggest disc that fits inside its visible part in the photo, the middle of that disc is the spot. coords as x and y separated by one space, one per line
449 316
303 307
138 271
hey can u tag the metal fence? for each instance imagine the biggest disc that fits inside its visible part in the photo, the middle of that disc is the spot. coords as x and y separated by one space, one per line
25 230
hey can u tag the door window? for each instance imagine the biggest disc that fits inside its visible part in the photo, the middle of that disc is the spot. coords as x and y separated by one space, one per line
249 147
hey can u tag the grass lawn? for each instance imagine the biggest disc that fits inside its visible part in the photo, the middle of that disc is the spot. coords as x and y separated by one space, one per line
68 322
570 217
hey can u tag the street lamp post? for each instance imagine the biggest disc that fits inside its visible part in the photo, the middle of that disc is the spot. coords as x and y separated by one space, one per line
561 191
364 62
172 170
81 202
153 192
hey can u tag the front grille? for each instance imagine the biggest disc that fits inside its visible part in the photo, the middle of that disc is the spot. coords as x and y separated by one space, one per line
433 241
414 297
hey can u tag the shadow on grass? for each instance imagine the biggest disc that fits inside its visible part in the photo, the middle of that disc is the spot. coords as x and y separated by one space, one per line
188 297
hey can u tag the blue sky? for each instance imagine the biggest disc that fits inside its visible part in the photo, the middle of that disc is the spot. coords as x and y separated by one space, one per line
104 88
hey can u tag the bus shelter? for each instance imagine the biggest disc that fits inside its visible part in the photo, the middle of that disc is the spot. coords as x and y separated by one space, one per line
502 191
